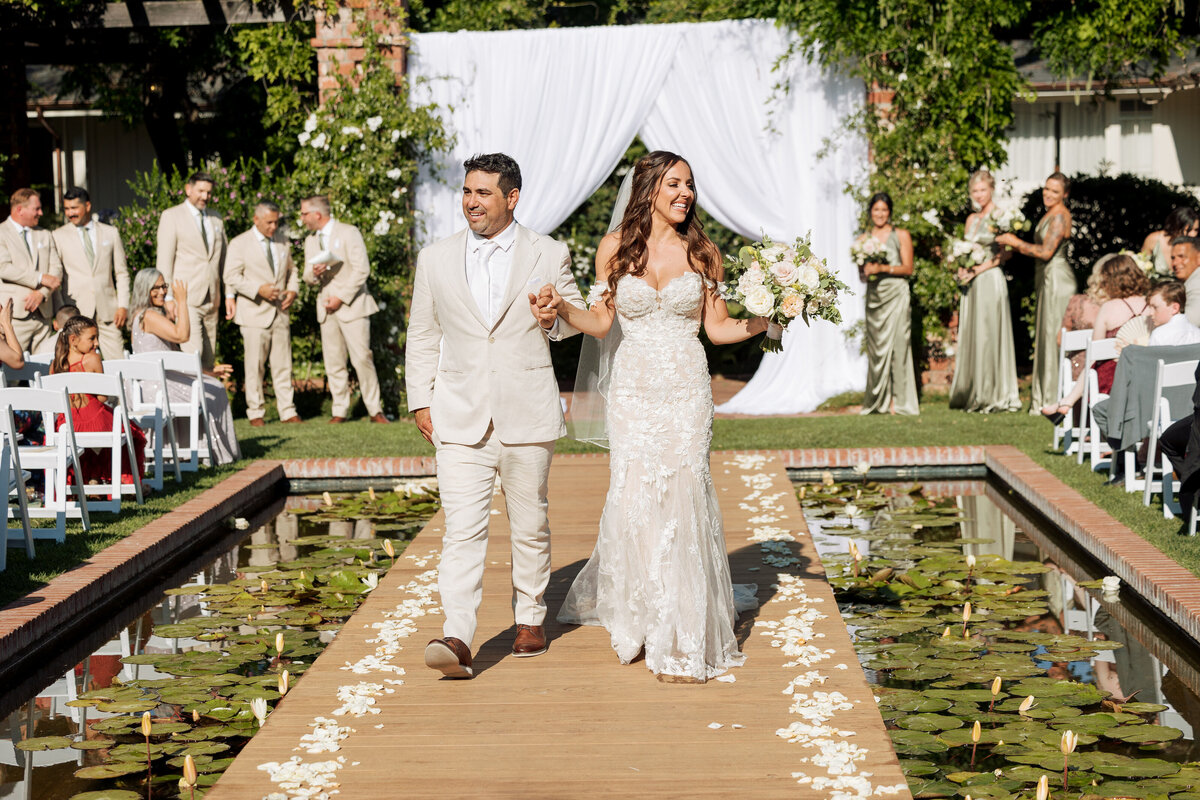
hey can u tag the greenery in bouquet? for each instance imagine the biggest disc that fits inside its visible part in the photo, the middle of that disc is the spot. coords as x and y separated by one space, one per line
782 283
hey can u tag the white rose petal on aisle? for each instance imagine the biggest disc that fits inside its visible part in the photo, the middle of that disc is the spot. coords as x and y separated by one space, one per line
795 283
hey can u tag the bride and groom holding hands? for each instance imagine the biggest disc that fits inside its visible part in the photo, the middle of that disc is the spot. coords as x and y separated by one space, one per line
482 388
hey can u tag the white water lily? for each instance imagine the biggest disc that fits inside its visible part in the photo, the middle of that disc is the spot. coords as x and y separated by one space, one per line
258 706
1068 742
372 581
970 562
1026 704
862 467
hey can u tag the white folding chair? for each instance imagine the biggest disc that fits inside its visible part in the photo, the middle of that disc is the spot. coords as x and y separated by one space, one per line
1096 447
185 368
146 391
34 366
53 459
1069 433
1179 373
13 479
118 439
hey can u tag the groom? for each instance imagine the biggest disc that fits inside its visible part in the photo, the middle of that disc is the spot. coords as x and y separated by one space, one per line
483 392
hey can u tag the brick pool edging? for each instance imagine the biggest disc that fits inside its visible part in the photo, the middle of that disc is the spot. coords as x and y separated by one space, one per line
38 616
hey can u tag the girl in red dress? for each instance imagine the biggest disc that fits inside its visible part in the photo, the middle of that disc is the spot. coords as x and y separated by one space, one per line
76 351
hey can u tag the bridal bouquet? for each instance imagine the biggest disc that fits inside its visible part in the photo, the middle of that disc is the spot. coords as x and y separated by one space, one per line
964 254
1007 219
781 283
868 250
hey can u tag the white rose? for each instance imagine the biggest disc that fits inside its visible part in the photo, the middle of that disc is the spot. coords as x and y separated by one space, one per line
753 277
373 123
393 174
310 124
759 301
773 253
784 272
304 137
813 306
319 141
807 278
380 227
395 135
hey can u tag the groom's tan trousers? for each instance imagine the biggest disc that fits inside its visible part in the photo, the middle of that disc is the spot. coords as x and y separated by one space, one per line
466 482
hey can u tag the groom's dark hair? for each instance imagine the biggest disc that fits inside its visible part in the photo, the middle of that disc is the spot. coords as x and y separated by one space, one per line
497 164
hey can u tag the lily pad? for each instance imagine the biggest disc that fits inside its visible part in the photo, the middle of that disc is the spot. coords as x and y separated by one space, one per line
40 743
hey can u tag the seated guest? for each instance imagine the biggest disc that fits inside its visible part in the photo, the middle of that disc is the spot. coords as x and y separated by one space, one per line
1185 258
1180 443
76 351
1167 302
1126 285
1081 312
61 317
155 330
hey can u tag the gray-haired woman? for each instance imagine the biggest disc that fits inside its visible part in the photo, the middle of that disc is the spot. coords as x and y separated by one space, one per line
155 328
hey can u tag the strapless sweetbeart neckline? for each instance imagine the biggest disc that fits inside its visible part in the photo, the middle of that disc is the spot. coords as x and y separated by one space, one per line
665 286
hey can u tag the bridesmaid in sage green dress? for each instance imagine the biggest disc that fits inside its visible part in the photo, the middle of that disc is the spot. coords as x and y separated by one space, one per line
1054 281
891 382
985 372
1182 221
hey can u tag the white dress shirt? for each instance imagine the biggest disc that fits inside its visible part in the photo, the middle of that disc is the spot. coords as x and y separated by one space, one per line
1175 332
488 262
202 219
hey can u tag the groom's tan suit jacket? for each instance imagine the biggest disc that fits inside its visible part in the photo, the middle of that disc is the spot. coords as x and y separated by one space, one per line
470 374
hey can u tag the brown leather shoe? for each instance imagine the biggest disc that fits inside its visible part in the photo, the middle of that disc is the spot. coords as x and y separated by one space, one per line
258 423
292 421
381 419
530 641
336 420
450 656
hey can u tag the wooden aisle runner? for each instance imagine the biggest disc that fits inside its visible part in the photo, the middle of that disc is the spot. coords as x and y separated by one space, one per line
574 722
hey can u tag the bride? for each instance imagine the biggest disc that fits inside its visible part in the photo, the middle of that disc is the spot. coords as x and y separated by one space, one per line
659 579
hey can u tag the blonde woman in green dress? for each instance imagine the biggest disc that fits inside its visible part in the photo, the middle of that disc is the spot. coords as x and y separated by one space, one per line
1182 221
1054 281
985 373
891 382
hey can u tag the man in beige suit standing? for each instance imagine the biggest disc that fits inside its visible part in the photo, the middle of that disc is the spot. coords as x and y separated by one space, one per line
335 259
95 275
191 248
259 269
30 271
483 391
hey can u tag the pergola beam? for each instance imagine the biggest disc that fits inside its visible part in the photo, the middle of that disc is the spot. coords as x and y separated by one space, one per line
194 13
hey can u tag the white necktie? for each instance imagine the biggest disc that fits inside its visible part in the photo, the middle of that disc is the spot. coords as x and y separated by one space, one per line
486 251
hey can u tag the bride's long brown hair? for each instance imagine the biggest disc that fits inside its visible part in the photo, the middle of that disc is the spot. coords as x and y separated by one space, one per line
636 223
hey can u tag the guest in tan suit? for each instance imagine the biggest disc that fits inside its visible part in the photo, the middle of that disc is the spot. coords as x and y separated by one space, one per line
191 248
259 268
95 275
335 258
30 271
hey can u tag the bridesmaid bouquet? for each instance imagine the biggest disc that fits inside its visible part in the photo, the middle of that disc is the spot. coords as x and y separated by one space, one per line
1146 264
964 254
1007 219
868 251
781 283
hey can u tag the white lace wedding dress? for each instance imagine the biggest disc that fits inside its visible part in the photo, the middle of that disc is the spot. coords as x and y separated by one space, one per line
659 576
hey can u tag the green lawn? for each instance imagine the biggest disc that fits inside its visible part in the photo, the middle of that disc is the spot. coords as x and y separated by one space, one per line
937 425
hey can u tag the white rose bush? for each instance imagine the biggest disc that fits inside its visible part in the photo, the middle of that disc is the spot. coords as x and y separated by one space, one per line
782 283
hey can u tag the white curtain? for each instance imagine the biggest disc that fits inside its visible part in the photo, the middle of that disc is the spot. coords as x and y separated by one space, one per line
754 152
566 103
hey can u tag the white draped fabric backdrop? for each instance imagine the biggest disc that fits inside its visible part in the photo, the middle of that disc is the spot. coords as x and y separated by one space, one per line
567 103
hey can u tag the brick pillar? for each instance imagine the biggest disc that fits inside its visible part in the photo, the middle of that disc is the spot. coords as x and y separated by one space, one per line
339 42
